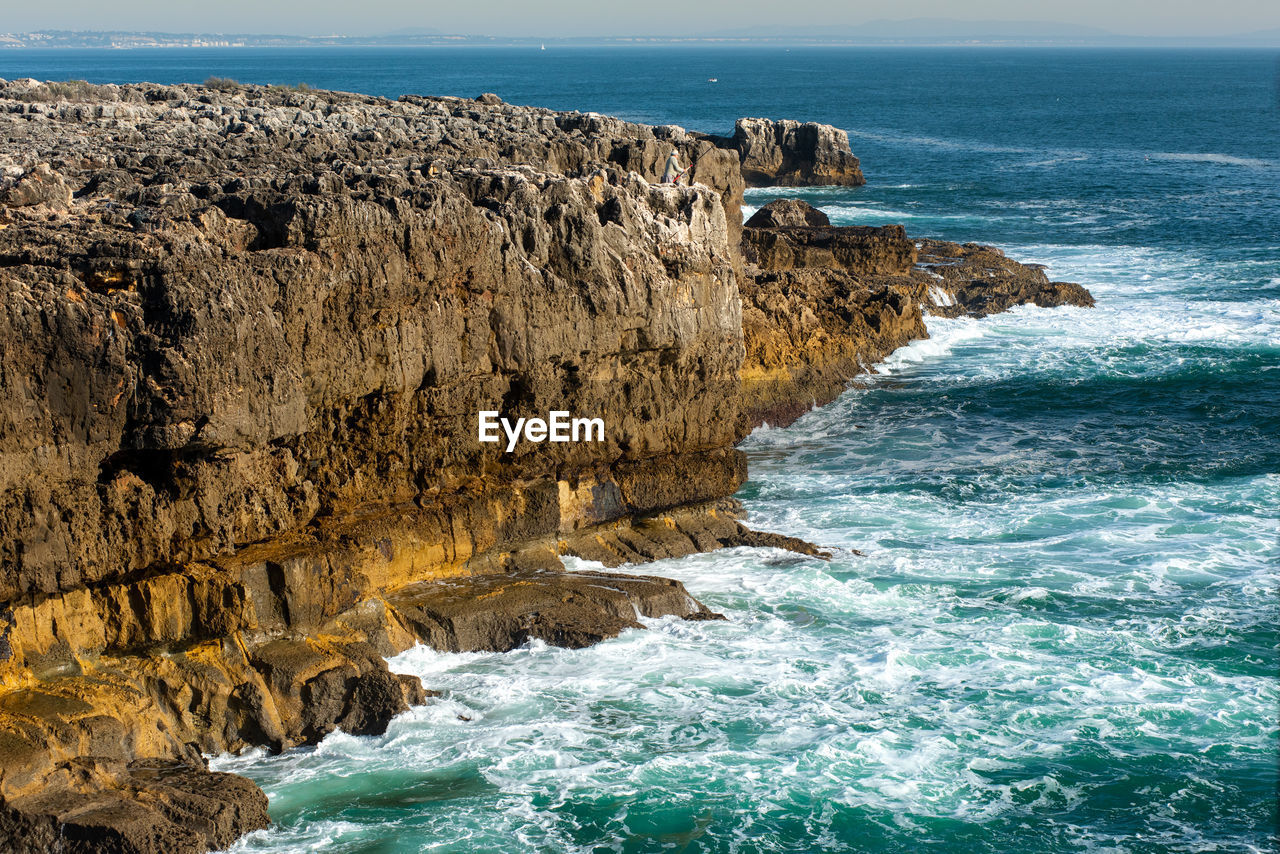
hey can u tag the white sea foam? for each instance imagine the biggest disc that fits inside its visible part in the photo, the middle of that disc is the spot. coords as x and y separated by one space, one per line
834 711
944 336
937 142
1151 295
1076 157
856 213
938 296
1218 159
955 673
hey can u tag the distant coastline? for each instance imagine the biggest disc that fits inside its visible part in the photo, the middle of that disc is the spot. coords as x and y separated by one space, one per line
877 34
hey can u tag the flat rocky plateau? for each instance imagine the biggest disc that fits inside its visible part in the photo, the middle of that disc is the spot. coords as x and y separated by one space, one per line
244 337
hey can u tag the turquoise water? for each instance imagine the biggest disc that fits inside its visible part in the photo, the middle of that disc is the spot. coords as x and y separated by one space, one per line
1064 634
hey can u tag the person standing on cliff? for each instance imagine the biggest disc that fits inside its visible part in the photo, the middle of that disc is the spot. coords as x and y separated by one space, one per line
673 173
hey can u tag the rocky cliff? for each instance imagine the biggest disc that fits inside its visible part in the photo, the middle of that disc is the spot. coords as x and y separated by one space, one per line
822 304
793 154
244 338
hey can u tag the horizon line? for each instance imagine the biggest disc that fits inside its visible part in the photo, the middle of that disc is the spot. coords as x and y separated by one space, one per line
847 35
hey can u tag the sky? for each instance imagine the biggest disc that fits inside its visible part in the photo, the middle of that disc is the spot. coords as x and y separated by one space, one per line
552 18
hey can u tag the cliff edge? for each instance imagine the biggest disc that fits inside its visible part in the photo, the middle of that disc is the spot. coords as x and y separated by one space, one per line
245 337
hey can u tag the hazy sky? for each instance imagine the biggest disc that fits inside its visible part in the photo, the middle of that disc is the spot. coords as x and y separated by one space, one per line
612 17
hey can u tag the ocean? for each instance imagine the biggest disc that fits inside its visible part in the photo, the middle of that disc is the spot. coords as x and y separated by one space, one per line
1065 632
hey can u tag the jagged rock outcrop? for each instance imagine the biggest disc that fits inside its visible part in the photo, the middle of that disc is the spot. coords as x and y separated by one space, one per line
154 807
794 154
37 186
822 304
244 338
977 280
784 212
809 332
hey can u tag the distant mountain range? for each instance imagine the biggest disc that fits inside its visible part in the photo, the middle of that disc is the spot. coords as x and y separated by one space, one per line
915 31
932 30
956 31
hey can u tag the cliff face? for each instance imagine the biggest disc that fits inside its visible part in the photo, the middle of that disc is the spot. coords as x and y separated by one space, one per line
201 331
244 339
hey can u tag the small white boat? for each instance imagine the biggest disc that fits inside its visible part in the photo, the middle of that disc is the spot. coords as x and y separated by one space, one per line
713 79
544 47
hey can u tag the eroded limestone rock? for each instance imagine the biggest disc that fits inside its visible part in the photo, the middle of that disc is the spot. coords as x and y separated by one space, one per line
822 304
783 212
795 154
977 280
244 335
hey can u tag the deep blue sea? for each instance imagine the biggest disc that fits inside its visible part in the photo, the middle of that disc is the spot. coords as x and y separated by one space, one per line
1065 632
